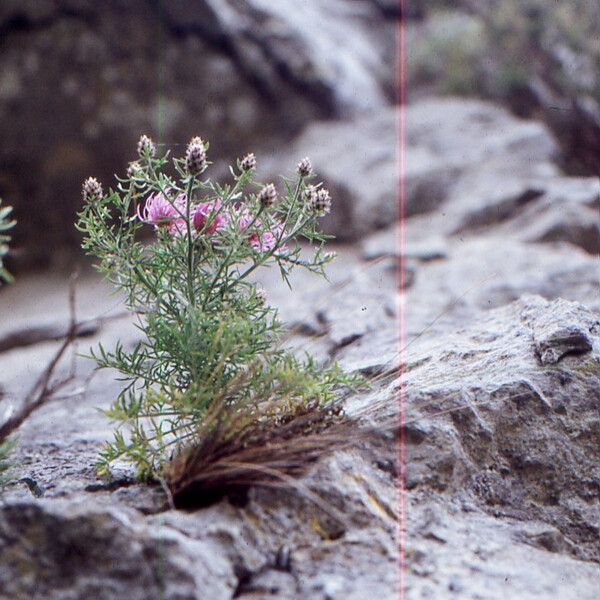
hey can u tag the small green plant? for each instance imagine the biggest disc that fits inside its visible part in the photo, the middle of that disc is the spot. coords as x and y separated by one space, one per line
5 224
209 337
5 465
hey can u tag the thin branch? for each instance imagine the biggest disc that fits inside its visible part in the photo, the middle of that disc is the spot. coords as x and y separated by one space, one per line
42 389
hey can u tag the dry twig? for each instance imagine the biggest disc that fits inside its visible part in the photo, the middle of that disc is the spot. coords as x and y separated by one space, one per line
44 388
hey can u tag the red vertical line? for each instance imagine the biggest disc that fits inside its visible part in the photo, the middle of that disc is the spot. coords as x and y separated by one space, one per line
160 131
160 98
402 282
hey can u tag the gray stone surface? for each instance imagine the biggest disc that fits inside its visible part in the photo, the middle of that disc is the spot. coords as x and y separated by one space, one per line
458 552
447 142
483 272
533 204
496 421
298 45
448 138
358 161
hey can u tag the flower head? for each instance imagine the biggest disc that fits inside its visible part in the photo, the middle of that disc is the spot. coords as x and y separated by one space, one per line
159 211
91 189
134 169
321 202
267 196
248 163
195 156
146 146
304 167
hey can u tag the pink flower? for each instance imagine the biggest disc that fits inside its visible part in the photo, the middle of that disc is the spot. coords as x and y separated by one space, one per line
209 212
245 218
261 241
264 241
267 240
159 211
178 227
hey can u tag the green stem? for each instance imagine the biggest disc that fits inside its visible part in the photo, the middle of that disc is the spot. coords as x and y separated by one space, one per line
267 256
190 243
292 206
225 262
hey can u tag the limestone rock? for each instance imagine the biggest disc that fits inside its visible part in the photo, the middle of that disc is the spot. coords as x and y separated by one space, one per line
455 551
501 422
447 137
483 272
357 160
69 550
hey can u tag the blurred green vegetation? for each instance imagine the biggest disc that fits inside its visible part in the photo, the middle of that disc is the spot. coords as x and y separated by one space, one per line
495 49
540 59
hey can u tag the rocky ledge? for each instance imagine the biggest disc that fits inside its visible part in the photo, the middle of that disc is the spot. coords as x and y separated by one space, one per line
499 388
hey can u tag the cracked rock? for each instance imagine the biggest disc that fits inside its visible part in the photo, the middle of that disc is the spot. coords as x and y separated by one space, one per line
517 438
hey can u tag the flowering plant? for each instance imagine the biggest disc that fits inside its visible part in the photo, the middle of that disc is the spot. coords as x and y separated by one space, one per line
210 339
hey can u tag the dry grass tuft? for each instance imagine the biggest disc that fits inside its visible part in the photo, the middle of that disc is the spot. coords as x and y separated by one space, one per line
232 454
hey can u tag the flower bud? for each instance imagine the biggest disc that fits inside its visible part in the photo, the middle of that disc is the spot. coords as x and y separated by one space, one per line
267 196
248 163
261 295
134 169
146 147
195 156
91 189
305 167
309 193
321 202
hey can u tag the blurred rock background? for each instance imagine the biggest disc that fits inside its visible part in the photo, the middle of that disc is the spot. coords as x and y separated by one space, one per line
81 80
539 59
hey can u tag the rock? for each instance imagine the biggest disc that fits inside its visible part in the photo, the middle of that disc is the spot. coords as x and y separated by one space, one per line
454 552
549 74
382 243
483 272
568 211
265 70
353 319
447 137
532 208
531 204
276 43
44 332
493 194
366 305
503 431
63 549
391 8
357 161
387 243
555 336
578 226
